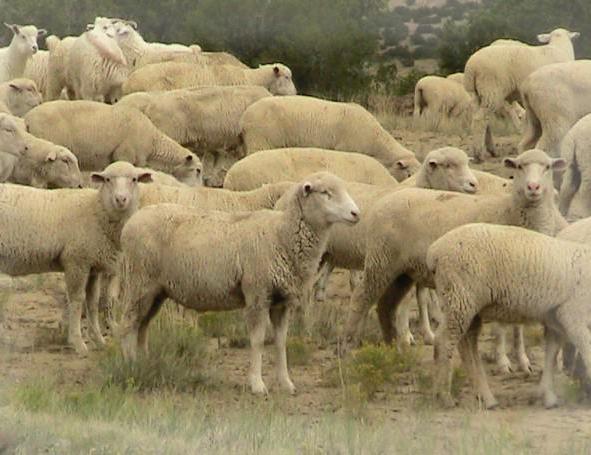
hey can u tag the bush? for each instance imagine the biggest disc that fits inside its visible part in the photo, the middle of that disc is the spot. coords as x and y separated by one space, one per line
225 324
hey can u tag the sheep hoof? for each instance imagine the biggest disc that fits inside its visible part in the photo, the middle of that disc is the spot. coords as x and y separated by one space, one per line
258 387
504 365
79 346
525 365
289 387
492 405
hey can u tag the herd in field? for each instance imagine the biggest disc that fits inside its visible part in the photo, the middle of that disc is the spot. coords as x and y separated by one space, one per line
148 171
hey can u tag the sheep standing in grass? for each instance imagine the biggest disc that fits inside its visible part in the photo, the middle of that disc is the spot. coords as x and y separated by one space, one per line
274 77
494 73
405 223
23 45
99 134
74 231
440 98
19 96
12 145
263 261
293 164
96 66
509 274
304 121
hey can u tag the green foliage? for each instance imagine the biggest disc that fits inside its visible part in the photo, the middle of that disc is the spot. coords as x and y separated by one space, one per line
299 351
521 20
225 324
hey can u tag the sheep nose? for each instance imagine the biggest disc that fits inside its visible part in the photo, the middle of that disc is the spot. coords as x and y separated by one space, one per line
35 48
533 186
121 200
355 214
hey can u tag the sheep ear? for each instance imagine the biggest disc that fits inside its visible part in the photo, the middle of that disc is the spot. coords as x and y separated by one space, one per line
574 35
12 27
401 164
132 23
276 71
144 177
559 164
51 156
433 163
307 189
15 87
97 178
89 27
510 163
544 38
41 32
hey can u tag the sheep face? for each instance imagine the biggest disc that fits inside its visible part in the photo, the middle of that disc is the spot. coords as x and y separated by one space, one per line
191 174
533 177
23 96
61 170
119 191
404 168
12 139
448 169
324 200
25 38
104 25
282 83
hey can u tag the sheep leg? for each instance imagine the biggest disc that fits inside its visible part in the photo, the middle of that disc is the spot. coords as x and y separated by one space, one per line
388 303
552 347
483 142
93 293
280 317
404 335
152 304
501 358
326 269
552 137
76 279
423 296
511 111
478 374
577 331
446 341
519 348
257 317
571 181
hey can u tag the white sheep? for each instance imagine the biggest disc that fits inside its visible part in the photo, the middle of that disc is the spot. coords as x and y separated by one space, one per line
456 77
274 77
19 96
555 97
189 177
46 165
279 255
440 98
22 46
96 66
216 136
99 134
12 145
74 231
304 121
509 274
576 180
37 69
404 224
57 66
494 73
293 164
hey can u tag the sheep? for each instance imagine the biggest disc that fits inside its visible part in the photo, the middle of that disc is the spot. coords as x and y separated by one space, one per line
22 46
216 136
12 145
196 57
96 66
36 70
274 77
303 121
404 224
555 98
20 96
438 97
576 180
39 235
504 273
187 177
46 165
292 164
99 134
263 262
493 75
456 77
57 66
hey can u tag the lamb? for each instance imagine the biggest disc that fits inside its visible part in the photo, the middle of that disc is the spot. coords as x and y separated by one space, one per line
82 249
20 96
22 46
293 164
404 224
555 98
274 77
279 253
46 165
493 75
57 66
36 70
215 136
438 98
96 65
303 121
12 145
527 277
99 134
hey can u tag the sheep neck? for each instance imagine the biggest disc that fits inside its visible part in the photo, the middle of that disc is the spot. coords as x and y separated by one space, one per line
538 216
163 153
260 76
16 61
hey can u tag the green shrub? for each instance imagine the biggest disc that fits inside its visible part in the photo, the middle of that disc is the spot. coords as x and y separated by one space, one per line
299 351
227 325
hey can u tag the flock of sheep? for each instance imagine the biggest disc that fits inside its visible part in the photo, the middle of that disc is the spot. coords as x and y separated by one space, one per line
106 140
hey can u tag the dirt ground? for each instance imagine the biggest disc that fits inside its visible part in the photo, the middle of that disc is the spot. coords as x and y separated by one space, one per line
30 347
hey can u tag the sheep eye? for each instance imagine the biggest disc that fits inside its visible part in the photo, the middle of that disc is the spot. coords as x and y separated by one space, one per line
519 166
107 179
134 179
547 167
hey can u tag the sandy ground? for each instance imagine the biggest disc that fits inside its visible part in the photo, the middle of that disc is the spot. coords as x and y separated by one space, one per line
30 347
